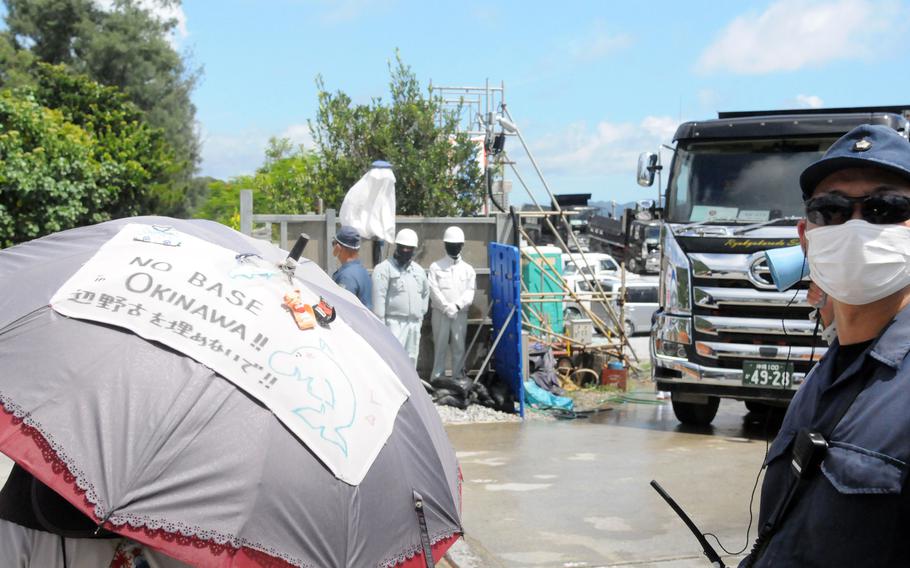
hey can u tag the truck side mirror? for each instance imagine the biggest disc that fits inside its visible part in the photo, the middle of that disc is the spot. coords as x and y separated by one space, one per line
647 165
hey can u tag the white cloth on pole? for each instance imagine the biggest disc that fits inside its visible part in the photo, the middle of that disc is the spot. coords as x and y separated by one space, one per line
369 206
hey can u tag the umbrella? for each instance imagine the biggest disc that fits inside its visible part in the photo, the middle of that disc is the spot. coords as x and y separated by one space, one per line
202 452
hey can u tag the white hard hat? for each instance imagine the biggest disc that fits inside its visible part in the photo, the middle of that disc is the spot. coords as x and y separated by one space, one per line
453 235
406 237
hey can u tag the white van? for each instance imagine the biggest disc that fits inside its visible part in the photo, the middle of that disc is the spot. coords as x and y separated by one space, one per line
639 305
577 269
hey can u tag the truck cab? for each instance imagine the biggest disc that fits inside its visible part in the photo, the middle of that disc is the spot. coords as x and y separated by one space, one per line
722 330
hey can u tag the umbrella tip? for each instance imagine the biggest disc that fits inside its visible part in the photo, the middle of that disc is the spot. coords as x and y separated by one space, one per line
301 243
290 263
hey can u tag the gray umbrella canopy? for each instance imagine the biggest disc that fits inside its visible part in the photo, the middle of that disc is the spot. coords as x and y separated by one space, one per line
156 446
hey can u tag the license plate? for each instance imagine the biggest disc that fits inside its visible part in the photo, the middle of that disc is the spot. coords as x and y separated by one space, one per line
771 374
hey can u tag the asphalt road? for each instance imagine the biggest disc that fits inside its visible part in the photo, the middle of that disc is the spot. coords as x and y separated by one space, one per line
576 493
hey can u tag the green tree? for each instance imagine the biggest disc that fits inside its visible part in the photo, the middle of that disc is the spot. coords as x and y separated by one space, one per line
125 47
15 64
283 184
435 167
103 164
48 178
133 156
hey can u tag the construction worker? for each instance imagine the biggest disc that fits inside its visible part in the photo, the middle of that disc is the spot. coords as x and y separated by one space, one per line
351 276
401 293
452 284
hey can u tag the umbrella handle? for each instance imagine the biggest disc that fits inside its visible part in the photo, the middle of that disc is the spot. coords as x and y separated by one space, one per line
424 533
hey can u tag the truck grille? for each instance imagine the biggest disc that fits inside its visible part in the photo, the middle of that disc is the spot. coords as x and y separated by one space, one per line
738 315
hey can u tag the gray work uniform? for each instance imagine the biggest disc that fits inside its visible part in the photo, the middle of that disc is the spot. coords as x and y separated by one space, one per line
452 284
400 299
856 510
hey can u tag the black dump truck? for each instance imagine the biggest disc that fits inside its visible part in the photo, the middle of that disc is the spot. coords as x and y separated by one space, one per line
577 211
722 329
633 237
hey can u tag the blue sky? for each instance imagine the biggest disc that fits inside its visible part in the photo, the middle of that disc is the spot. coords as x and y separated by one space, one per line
591 84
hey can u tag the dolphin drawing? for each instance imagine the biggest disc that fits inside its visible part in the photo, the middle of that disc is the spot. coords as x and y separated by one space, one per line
328 403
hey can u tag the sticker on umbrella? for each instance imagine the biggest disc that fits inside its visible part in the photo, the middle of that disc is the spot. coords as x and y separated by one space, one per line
228 313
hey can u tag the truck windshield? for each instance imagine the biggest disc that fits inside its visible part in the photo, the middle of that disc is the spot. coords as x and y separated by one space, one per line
740 181
653 232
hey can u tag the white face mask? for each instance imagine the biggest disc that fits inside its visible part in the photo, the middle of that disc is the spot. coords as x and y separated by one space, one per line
857 262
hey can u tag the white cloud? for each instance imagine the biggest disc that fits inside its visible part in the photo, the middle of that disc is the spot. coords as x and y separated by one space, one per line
226 155
794 34
597 44
162 12
299 134
606 148
709 99
809 101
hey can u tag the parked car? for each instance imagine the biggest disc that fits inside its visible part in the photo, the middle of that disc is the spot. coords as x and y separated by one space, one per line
577 269
574 265
640 303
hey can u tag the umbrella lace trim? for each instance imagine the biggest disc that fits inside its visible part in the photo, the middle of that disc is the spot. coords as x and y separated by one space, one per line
167 531
412 551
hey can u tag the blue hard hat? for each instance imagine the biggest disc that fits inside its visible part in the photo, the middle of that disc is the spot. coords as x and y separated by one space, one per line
348 237
866 145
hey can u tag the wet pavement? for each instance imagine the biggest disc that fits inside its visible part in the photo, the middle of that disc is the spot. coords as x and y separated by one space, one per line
576 493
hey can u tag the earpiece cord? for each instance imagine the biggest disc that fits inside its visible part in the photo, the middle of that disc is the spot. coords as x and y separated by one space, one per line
758 543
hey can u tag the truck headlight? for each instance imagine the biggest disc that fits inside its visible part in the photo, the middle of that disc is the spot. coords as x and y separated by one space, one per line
675 285
670 348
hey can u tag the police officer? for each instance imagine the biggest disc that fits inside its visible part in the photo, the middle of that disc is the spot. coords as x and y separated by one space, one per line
835 491
351 276
452 284
401 293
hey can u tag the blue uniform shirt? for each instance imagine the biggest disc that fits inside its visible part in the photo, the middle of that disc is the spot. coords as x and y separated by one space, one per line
353 277
856 510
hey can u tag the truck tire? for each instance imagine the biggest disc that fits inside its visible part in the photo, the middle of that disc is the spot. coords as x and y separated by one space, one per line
629 328
695 414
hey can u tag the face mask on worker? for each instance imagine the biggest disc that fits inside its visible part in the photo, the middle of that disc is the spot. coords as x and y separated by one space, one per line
857 262
403 255
454 249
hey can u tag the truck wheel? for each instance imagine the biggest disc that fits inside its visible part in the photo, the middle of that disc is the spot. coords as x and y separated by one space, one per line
633 266
629 328
694 413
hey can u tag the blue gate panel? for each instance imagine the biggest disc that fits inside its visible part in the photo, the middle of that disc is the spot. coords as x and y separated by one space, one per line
505 293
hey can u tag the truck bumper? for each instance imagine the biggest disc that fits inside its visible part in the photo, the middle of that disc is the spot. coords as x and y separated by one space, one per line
689 380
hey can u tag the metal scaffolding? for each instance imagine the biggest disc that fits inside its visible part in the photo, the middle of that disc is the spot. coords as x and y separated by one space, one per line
482 113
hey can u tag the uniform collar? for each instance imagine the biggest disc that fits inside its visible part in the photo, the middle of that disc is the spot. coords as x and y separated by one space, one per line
351 263
894 342
401 268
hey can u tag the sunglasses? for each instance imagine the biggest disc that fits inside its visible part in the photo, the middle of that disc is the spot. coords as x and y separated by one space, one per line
878 209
